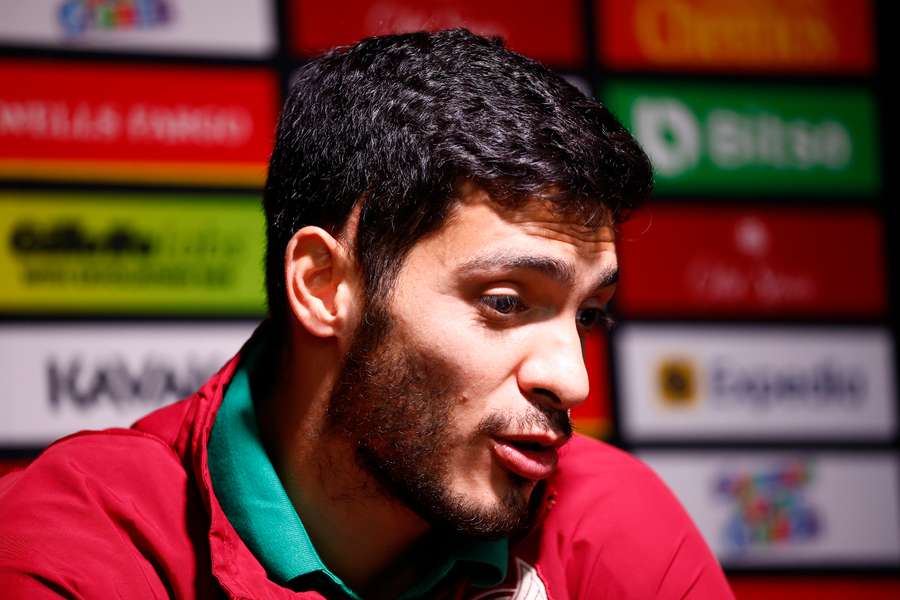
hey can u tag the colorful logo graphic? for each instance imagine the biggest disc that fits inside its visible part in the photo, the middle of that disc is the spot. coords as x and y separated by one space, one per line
677 382
770 507
79 16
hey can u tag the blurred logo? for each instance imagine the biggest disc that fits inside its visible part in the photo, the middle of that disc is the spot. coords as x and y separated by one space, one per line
822 384
69 252
80 16
669 132
677 381
730 384
71 238
157 380
401 17
753 276
677 141
770 507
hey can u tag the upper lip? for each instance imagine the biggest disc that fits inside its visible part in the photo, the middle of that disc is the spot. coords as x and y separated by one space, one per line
548 440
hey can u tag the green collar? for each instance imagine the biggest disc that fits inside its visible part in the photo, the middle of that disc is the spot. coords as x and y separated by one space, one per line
256 504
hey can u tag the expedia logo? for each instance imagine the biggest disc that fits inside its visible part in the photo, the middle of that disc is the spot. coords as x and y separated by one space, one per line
770 507
80 16
677 382
83 385
821 384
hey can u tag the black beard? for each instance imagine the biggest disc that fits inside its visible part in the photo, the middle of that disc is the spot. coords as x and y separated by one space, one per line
394 403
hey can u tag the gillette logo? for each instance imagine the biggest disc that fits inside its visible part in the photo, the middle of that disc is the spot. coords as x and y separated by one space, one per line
770 507
80 16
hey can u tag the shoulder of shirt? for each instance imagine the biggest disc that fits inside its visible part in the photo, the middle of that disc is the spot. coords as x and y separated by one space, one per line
611 524
600 489
110 459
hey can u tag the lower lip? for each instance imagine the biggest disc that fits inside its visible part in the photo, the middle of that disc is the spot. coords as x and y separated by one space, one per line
530 464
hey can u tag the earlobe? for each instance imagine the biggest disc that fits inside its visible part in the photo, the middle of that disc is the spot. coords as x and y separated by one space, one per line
316 269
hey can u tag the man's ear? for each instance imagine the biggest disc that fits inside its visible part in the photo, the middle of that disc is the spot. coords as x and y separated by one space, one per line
319 278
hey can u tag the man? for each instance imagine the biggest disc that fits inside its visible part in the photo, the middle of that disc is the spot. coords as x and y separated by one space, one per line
440 221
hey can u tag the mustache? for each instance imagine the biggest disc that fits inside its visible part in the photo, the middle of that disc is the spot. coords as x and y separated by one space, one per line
534 419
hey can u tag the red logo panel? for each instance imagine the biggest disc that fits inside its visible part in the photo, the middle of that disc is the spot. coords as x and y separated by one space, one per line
821 36
61 120
593 417
547 31
701 260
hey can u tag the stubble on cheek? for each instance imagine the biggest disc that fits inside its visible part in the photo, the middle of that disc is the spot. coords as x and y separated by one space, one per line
395 404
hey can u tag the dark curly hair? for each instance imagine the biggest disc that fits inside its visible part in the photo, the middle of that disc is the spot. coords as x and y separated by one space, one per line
397 122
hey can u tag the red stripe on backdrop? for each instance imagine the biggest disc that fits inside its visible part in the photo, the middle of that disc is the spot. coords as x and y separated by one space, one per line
8 466
812 588
136 113
592 417
693 260
548 31
817 36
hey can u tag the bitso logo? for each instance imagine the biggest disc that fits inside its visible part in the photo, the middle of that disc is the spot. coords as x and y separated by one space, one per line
677 381
678 138
79 16
669 132
770 507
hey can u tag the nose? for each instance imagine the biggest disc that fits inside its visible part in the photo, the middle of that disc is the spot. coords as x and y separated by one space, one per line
553 371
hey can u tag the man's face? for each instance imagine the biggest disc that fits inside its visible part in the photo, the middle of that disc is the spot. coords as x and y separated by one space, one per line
456 395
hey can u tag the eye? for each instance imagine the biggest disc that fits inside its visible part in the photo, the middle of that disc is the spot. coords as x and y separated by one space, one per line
591 318
503 303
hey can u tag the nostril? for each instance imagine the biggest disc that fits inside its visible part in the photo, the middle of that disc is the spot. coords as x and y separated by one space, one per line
547 394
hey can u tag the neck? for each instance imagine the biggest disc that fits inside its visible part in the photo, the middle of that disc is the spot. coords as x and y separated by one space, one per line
364 537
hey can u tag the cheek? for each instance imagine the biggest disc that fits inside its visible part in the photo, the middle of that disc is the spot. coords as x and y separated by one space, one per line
481 361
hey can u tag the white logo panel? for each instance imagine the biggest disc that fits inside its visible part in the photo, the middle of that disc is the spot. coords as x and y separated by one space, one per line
760 383
759 509
213 27
61 378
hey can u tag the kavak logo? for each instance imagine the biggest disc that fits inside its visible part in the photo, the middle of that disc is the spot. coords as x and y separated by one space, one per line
68 376
83 384
769 507
677 383
79 16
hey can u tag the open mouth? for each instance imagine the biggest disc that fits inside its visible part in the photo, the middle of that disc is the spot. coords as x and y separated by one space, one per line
528 458
526 445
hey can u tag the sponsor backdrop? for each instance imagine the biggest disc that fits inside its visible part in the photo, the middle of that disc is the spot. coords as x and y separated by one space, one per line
754 366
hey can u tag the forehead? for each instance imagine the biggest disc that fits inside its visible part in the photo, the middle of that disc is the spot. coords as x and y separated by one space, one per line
477 226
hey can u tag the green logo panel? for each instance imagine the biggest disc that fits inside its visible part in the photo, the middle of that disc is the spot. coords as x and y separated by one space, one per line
131 254
743 139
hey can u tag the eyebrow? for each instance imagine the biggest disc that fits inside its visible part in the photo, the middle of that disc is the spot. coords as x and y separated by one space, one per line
559 270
